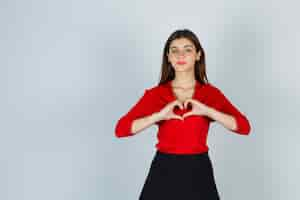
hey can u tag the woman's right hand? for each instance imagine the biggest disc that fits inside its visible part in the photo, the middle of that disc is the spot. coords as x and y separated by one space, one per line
168 111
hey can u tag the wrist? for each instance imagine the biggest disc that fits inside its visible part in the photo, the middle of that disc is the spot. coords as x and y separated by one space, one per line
210 112
156 117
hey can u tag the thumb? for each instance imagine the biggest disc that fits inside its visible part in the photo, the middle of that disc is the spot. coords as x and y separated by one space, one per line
187 114
176 117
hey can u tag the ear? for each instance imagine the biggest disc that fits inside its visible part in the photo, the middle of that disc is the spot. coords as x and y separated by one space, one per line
198 55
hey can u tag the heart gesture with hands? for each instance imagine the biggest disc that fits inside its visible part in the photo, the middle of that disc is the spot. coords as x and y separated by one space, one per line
168 111
198 108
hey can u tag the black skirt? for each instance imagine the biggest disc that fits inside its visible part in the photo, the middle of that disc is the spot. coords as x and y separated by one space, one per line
180 176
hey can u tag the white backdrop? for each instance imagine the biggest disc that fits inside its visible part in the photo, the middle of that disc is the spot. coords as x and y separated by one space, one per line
70 69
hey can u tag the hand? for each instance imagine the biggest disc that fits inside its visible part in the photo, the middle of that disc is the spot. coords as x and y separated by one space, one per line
168 111
198 108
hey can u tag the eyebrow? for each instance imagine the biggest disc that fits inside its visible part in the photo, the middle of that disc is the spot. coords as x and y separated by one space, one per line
188 45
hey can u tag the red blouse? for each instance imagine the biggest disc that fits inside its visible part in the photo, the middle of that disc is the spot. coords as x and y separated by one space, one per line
177 136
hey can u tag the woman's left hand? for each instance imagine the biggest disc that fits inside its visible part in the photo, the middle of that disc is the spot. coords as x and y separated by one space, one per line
198 108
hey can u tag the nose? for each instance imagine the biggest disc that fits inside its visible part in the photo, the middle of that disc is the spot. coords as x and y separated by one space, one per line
181 54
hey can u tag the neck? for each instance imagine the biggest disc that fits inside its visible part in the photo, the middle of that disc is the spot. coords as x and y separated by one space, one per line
184 79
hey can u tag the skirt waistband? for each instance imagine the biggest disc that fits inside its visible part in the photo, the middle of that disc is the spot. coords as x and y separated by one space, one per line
172 155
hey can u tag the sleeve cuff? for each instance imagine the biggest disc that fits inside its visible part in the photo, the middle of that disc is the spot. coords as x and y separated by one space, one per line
242 126
123 128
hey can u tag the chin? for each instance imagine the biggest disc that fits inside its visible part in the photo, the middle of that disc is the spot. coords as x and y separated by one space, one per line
182 68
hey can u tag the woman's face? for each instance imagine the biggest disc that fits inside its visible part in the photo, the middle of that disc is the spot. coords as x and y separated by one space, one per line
182 54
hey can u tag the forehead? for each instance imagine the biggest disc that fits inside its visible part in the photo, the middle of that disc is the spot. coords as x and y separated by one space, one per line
181 43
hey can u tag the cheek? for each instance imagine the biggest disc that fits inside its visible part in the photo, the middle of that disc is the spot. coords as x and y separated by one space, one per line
192 59
172 60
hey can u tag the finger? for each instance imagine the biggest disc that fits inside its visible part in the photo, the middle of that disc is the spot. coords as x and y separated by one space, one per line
192 101
188 114
176 117
185 103
180 105
177 102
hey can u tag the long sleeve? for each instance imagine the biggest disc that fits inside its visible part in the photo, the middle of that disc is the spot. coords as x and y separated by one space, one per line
143 107
243 125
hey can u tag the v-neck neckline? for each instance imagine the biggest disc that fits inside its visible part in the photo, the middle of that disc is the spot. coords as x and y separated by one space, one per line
174 95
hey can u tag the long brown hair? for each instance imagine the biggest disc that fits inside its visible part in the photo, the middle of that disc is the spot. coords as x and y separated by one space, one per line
168 72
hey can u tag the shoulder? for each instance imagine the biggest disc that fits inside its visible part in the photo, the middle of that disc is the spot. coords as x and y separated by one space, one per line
160 93
212 88
213 91
156 89
151 91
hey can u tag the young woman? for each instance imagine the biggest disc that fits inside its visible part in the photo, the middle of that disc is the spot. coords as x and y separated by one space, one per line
182 105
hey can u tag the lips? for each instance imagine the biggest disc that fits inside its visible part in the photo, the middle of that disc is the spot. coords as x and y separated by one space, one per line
181 62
